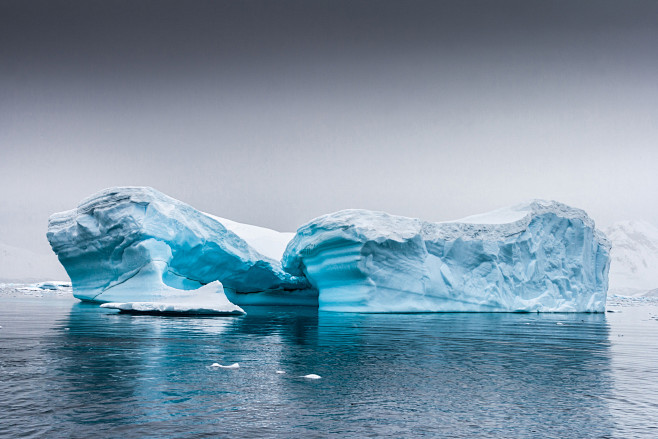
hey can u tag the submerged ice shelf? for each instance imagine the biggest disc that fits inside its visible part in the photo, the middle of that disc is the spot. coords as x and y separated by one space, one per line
207 300
539 256
138 248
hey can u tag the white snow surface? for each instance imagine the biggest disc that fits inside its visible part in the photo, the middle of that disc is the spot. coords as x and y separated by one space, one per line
536 256
634 257
209 299
499 216
267 242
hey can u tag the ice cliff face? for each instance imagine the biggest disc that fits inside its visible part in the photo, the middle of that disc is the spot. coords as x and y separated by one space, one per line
539 256
134 243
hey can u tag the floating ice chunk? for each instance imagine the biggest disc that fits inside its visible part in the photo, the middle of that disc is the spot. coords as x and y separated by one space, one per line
230 366
53 285
538 256
312 376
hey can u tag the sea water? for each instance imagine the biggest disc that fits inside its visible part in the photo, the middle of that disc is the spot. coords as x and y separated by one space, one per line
69 369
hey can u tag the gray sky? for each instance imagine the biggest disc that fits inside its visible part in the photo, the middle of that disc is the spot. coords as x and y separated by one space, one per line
272 113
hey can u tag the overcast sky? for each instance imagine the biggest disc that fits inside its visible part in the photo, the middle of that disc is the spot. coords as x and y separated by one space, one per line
274 112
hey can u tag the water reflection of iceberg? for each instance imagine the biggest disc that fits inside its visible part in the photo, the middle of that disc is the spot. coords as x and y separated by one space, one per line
113 370
503 374
511 375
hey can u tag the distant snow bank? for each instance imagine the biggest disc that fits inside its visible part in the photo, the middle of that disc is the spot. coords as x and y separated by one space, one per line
54 289
22 265
633 258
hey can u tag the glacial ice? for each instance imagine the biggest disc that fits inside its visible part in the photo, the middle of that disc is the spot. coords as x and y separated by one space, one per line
143 251
538 256
132 244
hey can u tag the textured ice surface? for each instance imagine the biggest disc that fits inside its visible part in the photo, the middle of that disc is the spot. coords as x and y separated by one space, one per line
136 244
538 256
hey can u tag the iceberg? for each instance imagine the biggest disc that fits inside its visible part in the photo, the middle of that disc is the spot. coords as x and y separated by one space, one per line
539 256
135 244
138 250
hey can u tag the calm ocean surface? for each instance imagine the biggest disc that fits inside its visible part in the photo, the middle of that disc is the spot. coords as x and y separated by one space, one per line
69 369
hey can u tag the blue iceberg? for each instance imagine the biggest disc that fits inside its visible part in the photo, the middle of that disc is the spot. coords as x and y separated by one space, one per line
140 250
539 256
130 244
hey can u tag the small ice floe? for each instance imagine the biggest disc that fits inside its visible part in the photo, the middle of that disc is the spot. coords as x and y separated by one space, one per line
278 371
312 376
230 366
53 285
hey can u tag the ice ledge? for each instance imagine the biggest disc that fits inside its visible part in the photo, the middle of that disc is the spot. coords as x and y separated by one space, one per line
207 300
